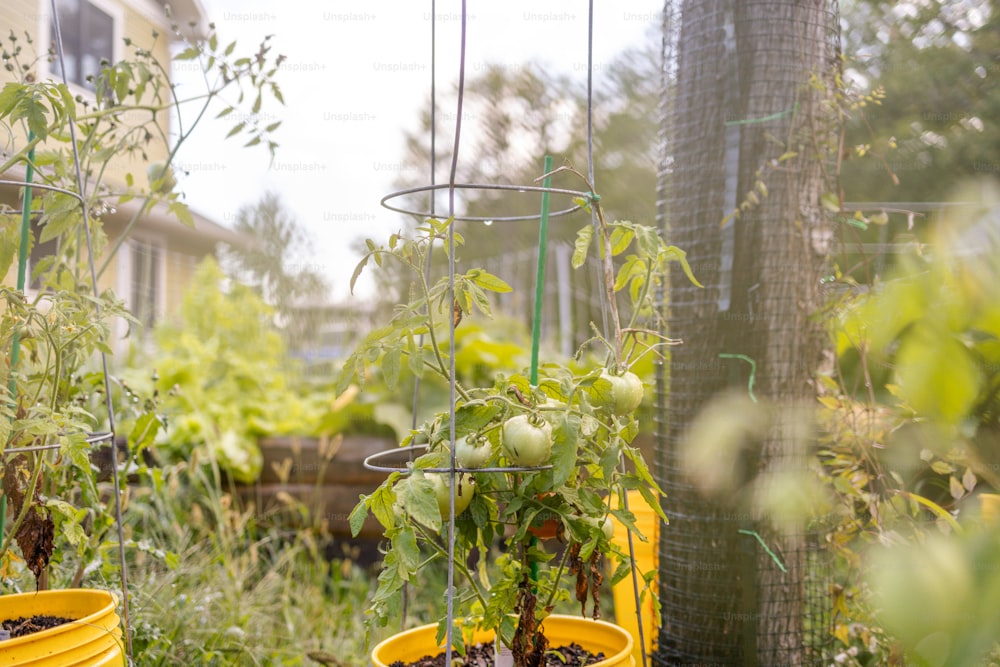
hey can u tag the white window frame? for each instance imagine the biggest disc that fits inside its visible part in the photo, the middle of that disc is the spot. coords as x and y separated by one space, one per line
113 9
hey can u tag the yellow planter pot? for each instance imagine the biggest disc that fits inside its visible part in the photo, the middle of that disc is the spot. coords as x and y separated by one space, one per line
595 636
645 554
989 504
93 639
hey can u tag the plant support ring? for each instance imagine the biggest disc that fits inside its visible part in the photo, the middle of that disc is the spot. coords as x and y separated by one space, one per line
486 186
92 439
370 464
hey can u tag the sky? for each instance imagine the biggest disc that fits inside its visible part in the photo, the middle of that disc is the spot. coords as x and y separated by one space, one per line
355 78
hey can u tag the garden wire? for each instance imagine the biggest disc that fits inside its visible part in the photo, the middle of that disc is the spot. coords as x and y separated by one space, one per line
123 566
427 260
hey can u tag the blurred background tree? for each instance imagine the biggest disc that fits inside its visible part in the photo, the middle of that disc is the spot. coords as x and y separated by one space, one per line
271 262
937 64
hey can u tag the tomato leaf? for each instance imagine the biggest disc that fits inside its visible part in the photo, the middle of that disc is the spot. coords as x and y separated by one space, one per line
414 356
381 503
675 254
471 417
404 543
490 282
420 502
391 362
582 246
564 449
621 238
358 515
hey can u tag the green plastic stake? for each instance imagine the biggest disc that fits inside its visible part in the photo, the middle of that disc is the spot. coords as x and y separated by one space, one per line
543 239
536 326
22 279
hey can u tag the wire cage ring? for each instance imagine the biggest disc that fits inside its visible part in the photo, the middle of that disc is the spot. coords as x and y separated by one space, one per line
486 186
370 463
92 439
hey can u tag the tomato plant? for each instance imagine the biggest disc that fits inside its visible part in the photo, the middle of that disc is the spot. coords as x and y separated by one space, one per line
56 321
552 448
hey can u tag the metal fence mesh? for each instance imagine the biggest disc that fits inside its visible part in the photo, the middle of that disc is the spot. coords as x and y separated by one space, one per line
736 99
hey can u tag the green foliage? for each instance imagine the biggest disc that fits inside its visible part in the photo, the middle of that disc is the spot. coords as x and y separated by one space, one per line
911 443
211 586
225 379
931 131
59 513
266 261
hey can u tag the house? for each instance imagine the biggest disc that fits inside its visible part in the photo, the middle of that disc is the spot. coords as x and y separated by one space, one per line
153 266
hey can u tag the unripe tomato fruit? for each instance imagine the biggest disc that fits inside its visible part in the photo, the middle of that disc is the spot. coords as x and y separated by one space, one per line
626 392
525 443
162 175
465 488
472 454
606 525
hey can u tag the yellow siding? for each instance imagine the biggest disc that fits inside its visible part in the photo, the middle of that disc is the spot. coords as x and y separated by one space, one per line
22 15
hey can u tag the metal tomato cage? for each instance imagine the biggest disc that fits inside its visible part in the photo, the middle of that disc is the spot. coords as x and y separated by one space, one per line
391 202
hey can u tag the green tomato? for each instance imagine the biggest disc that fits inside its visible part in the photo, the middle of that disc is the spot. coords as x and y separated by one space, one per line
465 488
626 392
525 443
161 177
606 525
472 454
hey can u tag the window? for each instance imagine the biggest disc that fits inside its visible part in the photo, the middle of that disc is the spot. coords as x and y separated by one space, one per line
88 37
145 281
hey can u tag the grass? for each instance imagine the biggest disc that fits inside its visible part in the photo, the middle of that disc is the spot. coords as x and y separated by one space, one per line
211 587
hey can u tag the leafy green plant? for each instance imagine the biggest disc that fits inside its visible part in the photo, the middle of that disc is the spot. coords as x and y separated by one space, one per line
569 430
910 444
80 154
225 379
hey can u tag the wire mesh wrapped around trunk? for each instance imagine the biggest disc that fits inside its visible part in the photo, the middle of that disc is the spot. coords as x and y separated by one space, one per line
735 99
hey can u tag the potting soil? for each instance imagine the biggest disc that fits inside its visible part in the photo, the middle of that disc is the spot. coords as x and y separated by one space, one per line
19 627
481 655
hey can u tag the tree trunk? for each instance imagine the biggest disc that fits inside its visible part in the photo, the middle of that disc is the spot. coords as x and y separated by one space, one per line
700 578
781 251
742 100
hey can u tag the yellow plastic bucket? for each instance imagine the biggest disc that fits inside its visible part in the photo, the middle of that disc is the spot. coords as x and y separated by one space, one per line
92 639
623 592
614 642
989 507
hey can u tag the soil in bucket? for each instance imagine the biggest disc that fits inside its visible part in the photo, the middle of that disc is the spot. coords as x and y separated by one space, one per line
481 655
19 627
